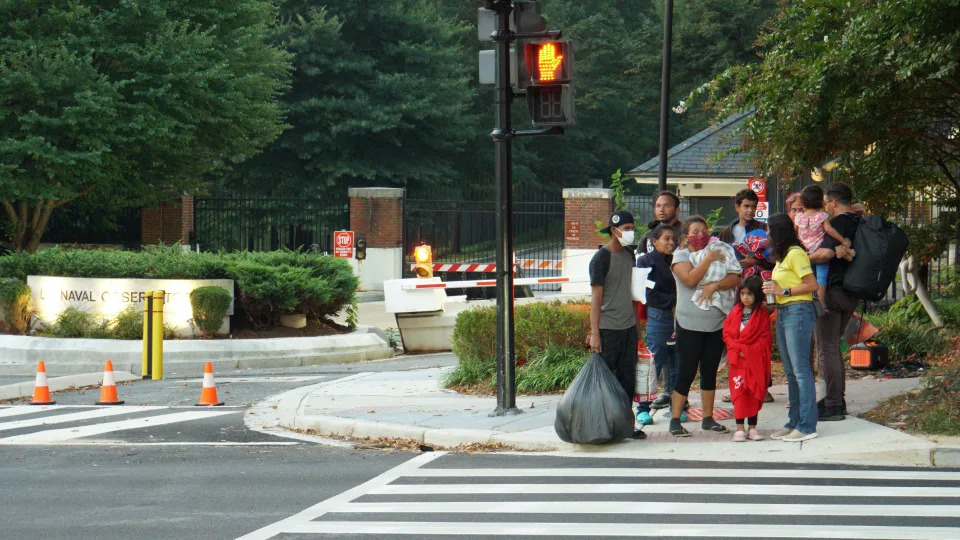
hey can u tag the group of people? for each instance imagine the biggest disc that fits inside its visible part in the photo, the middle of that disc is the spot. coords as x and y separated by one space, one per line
714 296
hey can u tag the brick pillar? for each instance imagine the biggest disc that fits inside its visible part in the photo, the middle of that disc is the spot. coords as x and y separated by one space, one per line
376 215
168 223
582 208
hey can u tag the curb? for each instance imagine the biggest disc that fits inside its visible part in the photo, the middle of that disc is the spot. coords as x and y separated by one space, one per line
57 384
945 455
335 426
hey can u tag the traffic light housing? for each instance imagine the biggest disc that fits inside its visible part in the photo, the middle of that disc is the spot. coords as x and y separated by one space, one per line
360 253
423 259
549 66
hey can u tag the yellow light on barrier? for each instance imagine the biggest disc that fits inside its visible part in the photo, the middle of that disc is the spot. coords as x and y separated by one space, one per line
423 255
816 175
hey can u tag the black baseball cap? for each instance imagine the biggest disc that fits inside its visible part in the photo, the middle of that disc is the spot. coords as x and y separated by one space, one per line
618 219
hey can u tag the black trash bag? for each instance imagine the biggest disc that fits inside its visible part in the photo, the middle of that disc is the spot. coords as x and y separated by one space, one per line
595 409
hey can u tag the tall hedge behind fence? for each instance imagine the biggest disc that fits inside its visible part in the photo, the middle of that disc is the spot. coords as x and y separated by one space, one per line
269 284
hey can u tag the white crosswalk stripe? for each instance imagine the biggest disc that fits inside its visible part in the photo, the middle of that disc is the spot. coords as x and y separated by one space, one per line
20 423
421 498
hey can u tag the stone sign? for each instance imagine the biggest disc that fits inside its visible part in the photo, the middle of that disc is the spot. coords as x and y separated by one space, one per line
106 297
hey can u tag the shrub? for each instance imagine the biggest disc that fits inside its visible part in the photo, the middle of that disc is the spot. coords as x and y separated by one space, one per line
269 284
128 324
551 371
210 305
76 323
16 306
907 337
539 327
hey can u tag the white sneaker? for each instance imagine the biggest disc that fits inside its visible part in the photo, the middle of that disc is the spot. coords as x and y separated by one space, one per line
781 433
798 436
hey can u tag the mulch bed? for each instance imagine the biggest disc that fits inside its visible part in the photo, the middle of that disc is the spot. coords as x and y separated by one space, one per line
313 329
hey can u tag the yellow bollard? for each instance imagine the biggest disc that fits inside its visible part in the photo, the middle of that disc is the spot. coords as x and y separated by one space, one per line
147 317
156 332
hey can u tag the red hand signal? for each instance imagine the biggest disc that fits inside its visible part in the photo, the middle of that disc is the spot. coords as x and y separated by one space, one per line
548 61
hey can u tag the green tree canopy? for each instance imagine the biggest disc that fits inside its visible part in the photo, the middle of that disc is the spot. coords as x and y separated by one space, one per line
873 84
129 100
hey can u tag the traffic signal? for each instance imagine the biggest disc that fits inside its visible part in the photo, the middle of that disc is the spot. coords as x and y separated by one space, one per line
550 71
361 252
423 257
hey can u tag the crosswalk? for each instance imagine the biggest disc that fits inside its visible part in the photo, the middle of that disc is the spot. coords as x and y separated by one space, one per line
64 424
430 496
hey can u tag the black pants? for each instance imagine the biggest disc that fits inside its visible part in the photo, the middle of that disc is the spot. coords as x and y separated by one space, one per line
829 331
619 352
698 350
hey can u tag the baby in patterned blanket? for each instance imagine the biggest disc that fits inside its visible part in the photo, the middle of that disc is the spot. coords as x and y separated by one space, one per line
723 300
756 245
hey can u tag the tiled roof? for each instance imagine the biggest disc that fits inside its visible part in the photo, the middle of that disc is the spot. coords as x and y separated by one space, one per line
698 155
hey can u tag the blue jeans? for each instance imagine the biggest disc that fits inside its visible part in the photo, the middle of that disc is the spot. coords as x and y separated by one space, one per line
659 329
795 323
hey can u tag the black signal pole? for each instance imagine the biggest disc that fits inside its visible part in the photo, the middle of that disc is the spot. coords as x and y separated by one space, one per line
503 136
665 93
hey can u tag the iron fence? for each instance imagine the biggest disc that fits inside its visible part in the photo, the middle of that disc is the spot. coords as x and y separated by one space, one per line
262 224
463 231
641 206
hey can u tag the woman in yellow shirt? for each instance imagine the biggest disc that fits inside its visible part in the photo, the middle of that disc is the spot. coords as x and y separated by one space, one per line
793 283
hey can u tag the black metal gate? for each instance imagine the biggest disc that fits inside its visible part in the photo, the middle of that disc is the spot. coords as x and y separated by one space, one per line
266 224
461 231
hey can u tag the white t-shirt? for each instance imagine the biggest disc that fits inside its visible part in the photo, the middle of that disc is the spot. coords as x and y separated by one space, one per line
739 232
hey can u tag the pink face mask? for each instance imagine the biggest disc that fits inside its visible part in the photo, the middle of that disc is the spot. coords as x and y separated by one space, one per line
698 241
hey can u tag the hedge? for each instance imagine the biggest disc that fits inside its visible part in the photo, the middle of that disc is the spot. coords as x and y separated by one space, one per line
269 284
546 333
209 306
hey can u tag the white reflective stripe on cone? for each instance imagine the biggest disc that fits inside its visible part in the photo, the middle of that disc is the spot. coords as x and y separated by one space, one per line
208 380
108 379
41 378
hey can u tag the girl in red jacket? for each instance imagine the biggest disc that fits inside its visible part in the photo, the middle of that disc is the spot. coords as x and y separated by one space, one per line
746 332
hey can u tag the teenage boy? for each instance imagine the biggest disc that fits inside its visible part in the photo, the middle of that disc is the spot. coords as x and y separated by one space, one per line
745 203
613 316
666 210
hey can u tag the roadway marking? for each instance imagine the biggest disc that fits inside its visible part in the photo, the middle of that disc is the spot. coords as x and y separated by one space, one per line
654 530
20 410
65 434
73 417
264 379
845 474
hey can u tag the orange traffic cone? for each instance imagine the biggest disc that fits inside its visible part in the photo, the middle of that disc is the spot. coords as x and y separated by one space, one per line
108 390
208 394
41 393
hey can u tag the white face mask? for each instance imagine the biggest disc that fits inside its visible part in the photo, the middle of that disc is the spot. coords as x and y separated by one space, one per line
626 238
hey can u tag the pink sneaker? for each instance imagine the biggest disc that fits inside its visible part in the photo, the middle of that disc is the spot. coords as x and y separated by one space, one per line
740 436
755 435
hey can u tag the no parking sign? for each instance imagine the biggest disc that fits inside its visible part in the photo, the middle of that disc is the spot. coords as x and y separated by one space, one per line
759 186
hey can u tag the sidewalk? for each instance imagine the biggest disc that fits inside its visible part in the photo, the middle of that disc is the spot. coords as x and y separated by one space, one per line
411 405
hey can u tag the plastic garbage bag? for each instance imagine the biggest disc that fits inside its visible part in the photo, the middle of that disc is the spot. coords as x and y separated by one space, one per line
595 409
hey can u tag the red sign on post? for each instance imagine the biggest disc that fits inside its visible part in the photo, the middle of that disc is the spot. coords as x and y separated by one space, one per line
759 186
343 244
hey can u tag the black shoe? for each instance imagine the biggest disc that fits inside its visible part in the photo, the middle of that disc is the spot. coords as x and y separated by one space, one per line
821 405
638 434
661 402
709 424
676 429
830 414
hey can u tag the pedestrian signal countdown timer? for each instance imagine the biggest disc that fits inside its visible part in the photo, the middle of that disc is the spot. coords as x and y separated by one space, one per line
549 62
423 256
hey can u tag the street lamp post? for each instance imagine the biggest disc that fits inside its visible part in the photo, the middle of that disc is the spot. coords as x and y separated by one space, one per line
665 93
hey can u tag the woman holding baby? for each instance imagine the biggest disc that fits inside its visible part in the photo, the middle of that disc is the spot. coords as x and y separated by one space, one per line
707 273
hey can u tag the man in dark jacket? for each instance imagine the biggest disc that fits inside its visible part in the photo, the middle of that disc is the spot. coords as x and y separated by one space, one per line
666 210
745 203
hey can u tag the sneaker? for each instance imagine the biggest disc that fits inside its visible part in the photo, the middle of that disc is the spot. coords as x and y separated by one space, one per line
709 424
676 429
798 436
644 419
768 398
661 402
781 433
740 436
726 398
754 435
830 414
638 434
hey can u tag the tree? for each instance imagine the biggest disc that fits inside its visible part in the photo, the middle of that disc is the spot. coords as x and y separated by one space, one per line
130 101
872 84
380 96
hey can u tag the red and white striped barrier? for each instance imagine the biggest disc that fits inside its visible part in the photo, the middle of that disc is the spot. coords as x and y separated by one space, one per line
529 264
410 286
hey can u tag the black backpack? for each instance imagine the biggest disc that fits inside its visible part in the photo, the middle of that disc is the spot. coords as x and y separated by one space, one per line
880 246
